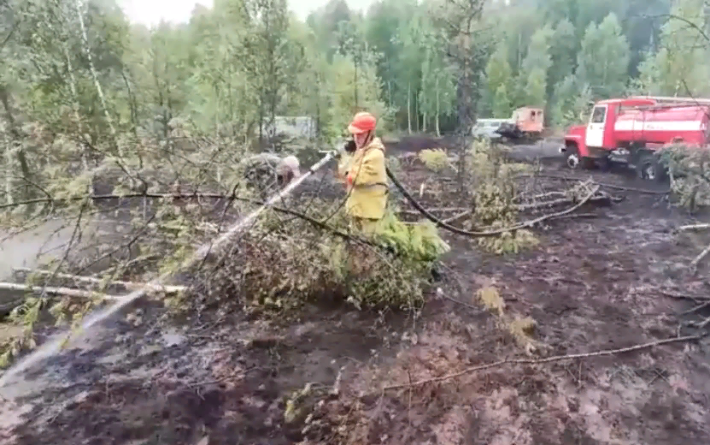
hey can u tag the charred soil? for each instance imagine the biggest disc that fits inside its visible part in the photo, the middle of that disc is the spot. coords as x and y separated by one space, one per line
593 283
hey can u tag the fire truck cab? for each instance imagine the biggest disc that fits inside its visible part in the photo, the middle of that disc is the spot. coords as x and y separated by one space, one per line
631 130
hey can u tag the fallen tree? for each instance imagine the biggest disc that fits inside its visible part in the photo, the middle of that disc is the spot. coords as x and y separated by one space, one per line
22 274
689 171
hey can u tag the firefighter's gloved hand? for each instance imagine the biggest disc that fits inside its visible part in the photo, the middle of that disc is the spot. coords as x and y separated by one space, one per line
350 146
334 153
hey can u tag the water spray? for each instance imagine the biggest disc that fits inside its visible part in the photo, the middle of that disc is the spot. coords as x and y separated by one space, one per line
54 345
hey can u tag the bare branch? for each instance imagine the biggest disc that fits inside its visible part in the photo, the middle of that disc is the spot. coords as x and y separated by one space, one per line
557 358
62 291
95 281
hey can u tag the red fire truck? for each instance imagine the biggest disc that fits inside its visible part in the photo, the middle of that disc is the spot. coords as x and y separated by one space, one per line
632 129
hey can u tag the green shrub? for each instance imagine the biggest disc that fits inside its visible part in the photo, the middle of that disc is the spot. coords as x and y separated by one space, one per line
689 170
435 159
494 206
284 266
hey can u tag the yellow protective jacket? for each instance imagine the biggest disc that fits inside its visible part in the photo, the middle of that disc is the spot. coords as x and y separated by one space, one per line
367 181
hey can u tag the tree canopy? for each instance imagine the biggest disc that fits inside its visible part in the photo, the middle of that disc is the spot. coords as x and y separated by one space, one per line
80 69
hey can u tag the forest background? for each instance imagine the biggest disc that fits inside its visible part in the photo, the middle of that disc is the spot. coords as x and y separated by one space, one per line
79 77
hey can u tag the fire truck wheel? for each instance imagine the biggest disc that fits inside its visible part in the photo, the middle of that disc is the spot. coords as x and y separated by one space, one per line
650 169
573 160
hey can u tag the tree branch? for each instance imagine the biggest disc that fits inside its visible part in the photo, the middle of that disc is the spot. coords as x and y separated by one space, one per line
557 358
470 234
95 281
62 291
694 227
9 36
601 184
700 257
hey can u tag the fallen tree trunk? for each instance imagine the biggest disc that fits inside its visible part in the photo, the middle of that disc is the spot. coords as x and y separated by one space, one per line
438 209
601 199
22 273
695 227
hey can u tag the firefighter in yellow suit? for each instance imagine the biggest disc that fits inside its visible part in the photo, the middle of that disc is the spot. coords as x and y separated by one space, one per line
365 175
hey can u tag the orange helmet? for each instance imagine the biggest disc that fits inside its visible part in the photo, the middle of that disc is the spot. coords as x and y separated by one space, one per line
362 122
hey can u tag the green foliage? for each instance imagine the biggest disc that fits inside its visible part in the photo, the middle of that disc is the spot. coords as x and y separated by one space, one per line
563 51
538 55
281 267
572 102
604 58
419 242
532 80
680 67
501 103
437 95
28 315
689 169
434 159
500 83
354 88
535 88
493 200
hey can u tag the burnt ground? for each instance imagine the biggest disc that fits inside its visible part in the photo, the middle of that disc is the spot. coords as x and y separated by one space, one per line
593 283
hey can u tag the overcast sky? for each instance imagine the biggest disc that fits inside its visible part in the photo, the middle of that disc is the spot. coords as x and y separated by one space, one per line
150 12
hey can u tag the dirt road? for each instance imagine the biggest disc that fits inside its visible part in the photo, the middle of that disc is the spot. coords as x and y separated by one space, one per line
26 249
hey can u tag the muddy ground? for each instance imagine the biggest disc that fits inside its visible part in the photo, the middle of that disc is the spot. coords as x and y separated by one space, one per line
594 283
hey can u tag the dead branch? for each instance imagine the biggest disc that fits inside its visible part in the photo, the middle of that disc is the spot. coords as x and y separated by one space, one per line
541 196
232 197
95 281
575 215
600 184
700 325
602 199
556 358
457 217
694 227
439 210
61 291
678 296
456 230
700 307
126 196
700 257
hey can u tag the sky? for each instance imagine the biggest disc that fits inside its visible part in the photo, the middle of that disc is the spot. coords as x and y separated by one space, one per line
150 12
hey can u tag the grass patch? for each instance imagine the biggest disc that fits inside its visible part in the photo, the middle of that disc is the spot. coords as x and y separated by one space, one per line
435 159
521 329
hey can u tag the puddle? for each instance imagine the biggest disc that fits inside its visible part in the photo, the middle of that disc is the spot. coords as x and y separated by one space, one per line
21 387
171 337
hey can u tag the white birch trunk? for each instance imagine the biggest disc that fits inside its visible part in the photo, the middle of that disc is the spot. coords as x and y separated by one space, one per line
97 84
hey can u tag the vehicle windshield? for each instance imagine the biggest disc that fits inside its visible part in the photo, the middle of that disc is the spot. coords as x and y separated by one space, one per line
598 115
